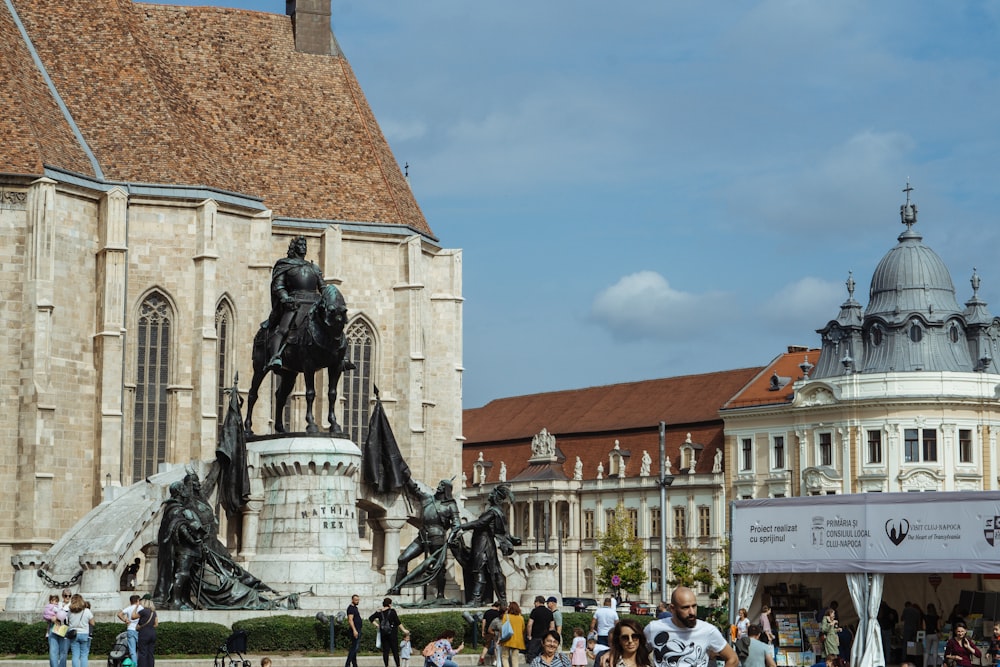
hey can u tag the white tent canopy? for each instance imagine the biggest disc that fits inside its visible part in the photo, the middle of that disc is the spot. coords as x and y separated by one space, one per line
864 536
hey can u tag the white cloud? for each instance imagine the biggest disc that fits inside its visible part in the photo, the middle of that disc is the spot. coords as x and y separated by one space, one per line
643 305
801 307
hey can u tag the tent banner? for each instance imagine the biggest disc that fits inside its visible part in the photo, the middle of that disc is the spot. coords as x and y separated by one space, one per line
868 532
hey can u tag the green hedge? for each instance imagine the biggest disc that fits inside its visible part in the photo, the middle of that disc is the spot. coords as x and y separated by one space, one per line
275 634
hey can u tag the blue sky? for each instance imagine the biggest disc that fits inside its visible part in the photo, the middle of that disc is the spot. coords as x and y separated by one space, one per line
655 188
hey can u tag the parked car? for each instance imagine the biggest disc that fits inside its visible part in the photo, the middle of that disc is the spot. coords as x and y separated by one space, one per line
579 604
641 608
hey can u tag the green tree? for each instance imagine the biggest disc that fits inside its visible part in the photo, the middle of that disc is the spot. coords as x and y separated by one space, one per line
688 569
620 554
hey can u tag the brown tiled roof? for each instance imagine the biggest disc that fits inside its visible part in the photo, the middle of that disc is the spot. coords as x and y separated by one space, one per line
586 423
786 367
34 129
686 399
214 97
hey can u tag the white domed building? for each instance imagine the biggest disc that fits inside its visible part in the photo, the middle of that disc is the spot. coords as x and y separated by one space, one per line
902 396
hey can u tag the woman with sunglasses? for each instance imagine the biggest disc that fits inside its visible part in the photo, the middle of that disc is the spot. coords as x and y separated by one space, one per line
628 646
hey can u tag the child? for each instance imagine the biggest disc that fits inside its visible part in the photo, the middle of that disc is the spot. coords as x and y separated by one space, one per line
265 662
51 609
578 650
993 651
405 649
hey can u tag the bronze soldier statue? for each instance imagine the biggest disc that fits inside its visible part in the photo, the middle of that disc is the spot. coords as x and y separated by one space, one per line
296 285
439 516
489 532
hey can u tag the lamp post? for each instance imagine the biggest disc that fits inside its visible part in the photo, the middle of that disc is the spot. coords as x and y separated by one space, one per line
534 521
473 620
664 482
332 620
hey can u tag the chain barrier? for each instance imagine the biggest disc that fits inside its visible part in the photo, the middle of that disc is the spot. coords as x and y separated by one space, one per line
60 584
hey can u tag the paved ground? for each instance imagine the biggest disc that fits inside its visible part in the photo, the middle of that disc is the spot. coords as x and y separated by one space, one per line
336 660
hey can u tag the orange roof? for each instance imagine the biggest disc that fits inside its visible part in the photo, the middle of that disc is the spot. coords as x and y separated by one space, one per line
586 423
198 96
773 385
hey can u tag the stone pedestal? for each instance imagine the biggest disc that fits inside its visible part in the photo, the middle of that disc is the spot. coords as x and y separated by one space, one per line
99 583
543 578
28 587
307 531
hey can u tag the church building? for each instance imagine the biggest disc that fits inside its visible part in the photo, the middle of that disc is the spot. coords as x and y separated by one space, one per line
158 161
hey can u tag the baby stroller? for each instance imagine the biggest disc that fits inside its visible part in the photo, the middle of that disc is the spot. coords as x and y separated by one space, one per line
230 654
119 652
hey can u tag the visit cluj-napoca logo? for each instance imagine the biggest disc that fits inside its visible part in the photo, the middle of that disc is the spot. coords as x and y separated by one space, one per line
898 530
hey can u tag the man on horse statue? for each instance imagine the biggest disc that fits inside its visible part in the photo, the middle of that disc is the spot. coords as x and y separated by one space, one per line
296 285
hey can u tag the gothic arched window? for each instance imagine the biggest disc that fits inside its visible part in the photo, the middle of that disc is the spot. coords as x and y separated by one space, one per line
149 428
358 384
224 320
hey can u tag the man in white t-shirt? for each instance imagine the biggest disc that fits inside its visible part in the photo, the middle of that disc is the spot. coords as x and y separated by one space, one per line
131 626
604 619
683 639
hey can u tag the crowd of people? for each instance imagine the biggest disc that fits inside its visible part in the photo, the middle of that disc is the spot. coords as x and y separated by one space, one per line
675 636
69 626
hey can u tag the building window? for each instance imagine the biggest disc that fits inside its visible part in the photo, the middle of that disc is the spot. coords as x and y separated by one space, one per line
874 446
779 452
930 444
704 521
911 445
919 445
633 517
588 580
654 522
357 386
223 366
654 579
826 449
149 428
680 522
965 445
609 518
746 461
588 524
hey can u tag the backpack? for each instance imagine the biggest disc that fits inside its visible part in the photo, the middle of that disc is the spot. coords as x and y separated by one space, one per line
429 650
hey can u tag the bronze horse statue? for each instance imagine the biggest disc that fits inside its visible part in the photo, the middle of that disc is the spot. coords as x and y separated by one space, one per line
318 342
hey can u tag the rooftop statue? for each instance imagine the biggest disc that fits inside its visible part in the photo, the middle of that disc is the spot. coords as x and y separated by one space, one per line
304 333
